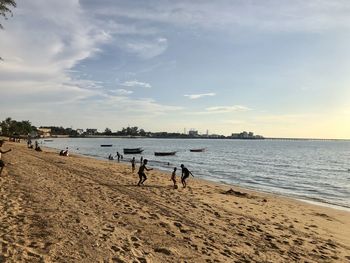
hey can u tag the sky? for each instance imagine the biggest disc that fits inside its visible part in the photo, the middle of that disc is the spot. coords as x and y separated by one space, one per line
278 68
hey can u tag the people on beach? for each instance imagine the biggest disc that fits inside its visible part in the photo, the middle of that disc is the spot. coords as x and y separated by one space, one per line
142 174
118 157
29 142
2 164
184 175
173 177
133 164
64 152
141 160
110 157
37 147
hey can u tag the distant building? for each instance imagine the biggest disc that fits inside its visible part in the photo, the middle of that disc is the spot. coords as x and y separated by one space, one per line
44 132
91 131
80 131
245 135
193 133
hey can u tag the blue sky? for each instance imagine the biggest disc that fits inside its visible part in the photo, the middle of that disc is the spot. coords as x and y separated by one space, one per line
276 67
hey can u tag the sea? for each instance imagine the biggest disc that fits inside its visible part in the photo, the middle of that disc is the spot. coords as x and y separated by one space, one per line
316 171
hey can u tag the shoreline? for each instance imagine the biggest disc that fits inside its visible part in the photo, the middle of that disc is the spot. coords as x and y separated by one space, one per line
81 209
291 196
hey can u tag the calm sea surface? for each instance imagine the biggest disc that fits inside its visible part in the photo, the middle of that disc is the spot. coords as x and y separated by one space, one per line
310 170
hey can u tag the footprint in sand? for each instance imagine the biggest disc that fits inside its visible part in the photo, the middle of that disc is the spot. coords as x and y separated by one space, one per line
106 232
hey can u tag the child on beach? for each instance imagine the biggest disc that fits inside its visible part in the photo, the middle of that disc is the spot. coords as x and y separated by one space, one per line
133 164
2 164
173 178
184 175
141 172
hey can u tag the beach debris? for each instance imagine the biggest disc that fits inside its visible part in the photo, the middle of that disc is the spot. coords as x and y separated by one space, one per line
163 250
235 193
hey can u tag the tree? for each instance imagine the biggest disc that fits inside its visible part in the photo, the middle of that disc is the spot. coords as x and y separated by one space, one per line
108 131
10 127
5 6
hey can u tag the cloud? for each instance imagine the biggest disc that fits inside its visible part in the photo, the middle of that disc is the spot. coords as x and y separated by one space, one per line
220 110
136 84
145 48
224 109
123 92
43 44
197 96
230 16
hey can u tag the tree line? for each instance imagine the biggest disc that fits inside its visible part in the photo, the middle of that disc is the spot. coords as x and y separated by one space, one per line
11 127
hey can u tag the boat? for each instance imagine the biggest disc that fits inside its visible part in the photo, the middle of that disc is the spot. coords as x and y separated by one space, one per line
197 150
106 145
164 153
48 140
132 150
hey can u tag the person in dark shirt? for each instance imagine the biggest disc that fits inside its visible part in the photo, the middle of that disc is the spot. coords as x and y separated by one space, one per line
2 164
133 164
141 172
173 178
185 174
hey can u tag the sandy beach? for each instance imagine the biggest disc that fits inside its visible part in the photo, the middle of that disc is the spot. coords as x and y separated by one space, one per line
78 209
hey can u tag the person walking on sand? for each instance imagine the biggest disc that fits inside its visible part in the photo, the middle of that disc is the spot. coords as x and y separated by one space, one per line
173 178
184 175
141 172
2 164
118 156
133 164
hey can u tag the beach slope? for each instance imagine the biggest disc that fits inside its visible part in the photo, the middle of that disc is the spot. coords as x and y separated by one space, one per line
78 209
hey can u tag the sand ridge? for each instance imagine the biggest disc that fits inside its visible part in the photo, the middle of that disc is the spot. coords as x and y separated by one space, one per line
78 209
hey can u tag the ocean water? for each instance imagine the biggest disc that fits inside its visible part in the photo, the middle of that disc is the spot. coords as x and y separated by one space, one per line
317 171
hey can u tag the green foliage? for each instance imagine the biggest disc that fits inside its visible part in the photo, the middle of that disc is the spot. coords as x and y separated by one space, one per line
10 127
5 10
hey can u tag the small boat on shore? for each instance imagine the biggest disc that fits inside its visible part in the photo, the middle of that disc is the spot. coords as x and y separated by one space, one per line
106 145
133 150
164 153
48 140
197 150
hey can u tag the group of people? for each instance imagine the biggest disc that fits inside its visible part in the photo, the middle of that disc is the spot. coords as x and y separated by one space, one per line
185 173
118 155
30 145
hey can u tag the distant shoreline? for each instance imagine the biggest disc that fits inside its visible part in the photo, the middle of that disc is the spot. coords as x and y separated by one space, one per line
206 138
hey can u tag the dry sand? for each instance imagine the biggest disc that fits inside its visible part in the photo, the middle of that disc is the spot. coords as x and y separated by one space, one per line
77 209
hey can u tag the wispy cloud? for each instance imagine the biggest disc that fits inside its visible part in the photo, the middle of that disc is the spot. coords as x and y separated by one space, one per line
123 92
224 109
145 48
276 15
221 109
136 84
197 96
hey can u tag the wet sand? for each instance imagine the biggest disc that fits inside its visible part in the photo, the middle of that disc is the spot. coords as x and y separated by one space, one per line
78 209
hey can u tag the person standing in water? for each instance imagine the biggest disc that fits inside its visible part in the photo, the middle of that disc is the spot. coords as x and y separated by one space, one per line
133 164
184 175
141 172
